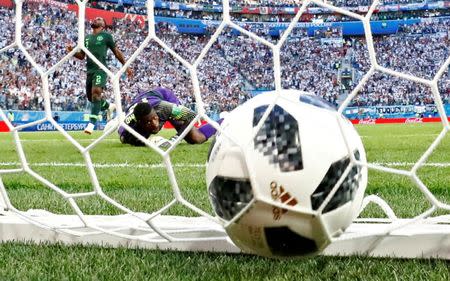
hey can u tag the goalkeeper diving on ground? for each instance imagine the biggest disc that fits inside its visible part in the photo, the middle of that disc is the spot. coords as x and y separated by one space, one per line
150 109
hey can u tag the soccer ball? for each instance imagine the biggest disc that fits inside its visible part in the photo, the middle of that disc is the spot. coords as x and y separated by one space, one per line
274 188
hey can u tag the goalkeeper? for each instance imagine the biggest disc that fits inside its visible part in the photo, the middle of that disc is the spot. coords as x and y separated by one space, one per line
149 111
98 44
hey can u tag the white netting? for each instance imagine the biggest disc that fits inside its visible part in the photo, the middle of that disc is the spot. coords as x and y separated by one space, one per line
149 227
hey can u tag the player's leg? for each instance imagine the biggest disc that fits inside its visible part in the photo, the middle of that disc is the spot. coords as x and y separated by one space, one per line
98 82
202 134
110 108
89 87
106 106
90 76
195 136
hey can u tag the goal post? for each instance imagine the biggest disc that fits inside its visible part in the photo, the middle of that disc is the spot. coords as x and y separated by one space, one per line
424 236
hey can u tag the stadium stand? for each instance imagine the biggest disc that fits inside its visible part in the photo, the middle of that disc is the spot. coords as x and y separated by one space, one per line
325 63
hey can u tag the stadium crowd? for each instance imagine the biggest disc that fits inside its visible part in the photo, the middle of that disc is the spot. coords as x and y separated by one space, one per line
260 3
264 17
295 3
233 66
46 33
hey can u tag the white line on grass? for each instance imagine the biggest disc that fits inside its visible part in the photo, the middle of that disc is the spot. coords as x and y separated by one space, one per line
186 165
400 136
107 165
403 164
59 140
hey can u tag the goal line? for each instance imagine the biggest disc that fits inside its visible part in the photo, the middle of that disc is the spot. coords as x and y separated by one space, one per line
189 165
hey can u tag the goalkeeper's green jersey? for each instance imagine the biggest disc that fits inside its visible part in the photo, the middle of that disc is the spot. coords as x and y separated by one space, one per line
98 45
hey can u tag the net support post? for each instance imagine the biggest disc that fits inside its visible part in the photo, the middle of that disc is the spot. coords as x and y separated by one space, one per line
198 234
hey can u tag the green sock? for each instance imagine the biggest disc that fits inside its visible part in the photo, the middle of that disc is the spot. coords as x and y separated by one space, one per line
95 111
105 105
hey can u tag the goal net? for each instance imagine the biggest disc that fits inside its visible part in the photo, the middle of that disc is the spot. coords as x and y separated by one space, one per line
214 73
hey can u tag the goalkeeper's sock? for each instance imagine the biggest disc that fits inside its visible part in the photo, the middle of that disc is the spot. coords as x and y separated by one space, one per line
95 111
208 130
104 105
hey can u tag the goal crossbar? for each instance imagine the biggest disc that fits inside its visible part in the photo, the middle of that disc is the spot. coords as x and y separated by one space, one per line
418 240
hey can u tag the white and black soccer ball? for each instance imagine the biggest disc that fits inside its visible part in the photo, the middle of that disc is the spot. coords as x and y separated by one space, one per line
274 188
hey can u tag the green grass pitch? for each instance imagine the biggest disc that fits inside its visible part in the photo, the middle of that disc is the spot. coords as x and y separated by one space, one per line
135 178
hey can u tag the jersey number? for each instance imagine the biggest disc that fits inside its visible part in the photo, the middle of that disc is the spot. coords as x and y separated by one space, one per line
98 79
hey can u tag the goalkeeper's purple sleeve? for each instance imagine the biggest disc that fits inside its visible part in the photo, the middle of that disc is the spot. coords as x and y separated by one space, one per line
208 130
